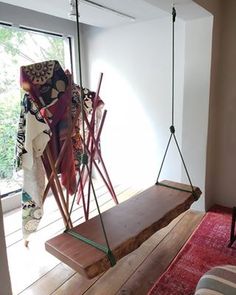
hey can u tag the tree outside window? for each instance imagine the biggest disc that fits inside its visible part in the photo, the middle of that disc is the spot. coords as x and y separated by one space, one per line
18 48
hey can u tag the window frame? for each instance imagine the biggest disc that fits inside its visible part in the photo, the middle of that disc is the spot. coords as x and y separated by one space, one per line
67 39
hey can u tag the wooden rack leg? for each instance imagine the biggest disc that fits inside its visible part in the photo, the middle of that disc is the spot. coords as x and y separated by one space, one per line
81 192
67 198
89 147
102 162
92 150
90 169
58 185
57 198
46 189
83 176
96 149
110 188
55 193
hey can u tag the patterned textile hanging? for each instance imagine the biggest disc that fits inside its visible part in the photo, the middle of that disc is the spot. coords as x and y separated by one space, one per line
49 105
32 138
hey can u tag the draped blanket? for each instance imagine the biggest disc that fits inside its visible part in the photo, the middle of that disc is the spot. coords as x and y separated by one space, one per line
50 102
44 121
32 138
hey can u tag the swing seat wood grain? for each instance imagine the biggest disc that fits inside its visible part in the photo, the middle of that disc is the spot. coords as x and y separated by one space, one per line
127 225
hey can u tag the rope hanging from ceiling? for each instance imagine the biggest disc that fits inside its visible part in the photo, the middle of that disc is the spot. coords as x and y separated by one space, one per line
172 127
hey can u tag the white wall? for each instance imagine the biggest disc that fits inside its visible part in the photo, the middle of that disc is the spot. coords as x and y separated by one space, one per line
196 101
136 62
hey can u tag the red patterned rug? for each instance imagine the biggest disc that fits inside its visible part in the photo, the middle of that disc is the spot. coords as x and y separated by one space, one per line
206 248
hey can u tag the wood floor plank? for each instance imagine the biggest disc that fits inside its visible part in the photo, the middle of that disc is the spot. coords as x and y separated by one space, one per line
50 281
114 278
28 265
156 263
12 221
76 285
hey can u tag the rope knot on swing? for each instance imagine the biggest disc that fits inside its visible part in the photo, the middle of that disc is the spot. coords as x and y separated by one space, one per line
172 129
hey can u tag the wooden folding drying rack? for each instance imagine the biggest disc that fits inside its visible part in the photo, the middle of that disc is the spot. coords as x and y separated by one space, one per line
85 171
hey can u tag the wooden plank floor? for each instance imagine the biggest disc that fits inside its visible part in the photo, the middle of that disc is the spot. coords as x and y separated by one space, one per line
35 272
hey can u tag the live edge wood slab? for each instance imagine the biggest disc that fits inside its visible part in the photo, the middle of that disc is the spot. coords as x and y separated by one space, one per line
127 225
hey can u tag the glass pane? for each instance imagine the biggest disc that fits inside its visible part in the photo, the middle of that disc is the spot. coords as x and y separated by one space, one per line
17 48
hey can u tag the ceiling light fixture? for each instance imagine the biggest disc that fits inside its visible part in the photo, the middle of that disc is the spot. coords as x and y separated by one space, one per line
99 6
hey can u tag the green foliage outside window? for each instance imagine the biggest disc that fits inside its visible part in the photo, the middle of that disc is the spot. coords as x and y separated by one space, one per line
9 114
17 48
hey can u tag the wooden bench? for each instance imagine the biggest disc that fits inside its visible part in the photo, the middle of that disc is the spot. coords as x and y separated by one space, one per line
127 225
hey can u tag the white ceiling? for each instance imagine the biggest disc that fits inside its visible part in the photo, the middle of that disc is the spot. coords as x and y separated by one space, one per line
139 9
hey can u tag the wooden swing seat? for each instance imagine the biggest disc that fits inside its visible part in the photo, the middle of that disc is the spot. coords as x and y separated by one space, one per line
127 225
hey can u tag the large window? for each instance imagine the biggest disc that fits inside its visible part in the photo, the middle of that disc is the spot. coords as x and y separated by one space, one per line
20 47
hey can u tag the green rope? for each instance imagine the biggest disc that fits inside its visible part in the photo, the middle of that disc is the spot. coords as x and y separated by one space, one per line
174 187
87 241
94 244
185 167
73 201
163 160
193 192
172 128
173 63
99 212
84 161
83 158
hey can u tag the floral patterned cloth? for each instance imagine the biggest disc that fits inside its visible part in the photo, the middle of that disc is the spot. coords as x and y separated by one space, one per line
48 108
32 138
49 87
